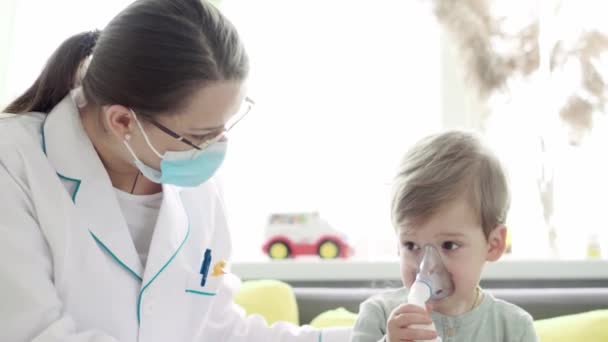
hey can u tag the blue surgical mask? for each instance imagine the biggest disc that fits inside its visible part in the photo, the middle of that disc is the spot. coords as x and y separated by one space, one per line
182 168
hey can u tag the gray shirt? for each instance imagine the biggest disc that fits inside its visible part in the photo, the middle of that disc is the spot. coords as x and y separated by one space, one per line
493 320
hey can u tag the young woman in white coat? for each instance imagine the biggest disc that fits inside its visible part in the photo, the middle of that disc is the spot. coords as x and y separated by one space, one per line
112 227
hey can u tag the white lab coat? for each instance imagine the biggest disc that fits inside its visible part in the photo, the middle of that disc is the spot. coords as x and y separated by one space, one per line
69 270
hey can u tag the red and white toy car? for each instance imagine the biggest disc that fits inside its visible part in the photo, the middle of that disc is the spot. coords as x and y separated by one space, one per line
292 235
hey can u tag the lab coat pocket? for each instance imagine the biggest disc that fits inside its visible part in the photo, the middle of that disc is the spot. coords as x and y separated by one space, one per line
195 286
199 300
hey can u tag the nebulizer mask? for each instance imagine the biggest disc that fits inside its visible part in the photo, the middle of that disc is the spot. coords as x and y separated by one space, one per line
433 283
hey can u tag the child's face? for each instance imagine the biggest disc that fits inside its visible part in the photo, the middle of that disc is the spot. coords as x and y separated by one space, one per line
455 231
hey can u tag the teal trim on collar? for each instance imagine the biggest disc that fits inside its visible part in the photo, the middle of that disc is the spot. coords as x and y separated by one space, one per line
201 293
157 274
115 257
77 181
43 138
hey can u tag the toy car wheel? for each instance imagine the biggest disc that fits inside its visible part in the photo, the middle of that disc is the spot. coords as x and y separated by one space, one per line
328 250
279 250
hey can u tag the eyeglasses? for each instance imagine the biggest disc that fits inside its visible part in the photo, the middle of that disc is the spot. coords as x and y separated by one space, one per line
211 137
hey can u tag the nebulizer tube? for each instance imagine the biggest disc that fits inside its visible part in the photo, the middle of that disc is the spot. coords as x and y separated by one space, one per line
433 283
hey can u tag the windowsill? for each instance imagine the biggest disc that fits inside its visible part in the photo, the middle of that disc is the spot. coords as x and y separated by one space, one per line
323 270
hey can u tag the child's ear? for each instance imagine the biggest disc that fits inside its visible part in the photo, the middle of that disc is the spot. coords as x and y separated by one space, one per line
497 243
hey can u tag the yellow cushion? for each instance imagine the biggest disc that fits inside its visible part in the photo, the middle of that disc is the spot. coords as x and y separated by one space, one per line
272 299
334 318
588 327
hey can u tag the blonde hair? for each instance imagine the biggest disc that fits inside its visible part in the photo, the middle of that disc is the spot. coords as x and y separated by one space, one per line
441 168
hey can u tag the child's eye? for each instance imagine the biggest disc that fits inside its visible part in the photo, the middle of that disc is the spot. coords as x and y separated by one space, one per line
410 246
450 245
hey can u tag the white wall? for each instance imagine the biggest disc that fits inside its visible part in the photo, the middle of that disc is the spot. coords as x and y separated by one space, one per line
7 15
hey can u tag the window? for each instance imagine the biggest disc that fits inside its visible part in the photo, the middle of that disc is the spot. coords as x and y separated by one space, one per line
345 87
342 88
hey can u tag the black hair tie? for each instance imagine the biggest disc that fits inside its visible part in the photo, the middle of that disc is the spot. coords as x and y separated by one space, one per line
89 41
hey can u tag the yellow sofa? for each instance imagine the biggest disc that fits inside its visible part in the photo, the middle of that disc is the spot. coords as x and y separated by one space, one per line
254 297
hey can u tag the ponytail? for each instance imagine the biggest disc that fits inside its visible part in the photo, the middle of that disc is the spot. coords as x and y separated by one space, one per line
58 77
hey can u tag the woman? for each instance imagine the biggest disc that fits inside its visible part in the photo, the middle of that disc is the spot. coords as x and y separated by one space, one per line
111 225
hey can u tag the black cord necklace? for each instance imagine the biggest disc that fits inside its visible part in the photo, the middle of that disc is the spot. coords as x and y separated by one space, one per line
134 183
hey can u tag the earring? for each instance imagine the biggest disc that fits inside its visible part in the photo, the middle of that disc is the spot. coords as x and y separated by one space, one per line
128 137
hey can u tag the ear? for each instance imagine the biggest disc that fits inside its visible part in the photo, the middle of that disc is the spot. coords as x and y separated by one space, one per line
119 121
497 243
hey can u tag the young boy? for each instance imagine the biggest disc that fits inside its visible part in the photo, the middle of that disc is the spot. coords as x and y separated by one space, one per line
450 193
